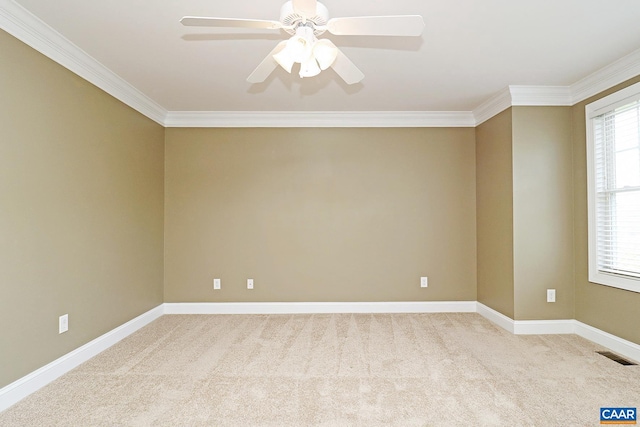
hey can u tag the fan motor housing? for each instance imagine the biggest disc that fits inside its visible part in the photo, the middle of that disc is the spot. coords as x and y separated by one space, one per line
289 17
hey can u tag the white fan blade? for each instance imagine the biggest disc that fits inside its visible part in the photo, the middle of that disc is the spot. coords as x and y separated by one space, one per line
346 69
306 8
267 65
199 21
400 25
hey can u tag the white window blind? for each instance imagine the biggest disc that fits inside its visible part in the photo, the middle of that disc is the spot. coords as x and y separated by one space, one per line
615 192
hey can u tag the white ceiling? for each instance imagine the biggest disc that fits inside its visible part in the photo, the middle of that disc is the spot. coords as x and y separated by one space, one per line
470 50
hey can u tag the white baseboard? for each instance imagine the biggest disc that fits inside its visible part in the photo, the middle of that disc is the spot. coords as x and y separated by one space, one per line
496 317
37 379
543 327
320 307
527 327
616 344
30 383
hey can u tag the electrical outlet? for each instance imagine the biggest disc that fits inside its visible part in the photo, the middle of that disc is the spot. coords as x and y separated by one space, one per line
216 283
63 323
424 282
249 283
551 295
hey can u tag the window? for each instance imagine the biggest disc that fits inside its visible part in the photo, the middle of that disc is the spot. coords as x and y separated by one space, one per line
613 167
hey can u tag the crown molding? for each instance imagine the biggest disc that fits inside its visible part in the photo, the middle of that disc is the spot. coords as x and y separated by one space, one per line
540 95
520 95
615 73
319 119
511 96
493 106
25 26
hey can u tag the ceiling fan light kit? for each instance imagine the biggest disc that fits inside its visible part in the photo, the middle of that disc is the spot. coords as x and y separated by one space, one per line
305 20
304 48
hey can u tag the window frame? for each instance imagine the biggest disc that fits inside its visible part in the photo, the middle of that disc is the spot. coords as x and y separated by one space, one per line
592 110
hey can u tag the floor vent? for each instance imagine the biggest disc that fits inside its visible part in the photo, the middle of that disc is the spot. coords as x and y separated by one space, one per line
616 358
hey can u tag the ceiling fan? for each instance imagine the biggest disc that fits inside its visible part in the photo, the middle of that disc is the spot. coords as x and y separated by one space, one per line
305 20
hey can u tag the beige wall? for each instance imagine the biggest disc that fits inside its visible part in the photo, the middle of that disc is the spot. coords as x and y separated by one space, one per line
494 192
542 212
320 214
613 310
81 196
524 212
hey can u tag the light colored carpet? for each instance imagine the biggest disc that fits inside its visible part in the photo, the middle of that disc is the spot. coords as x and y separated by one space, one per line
334 370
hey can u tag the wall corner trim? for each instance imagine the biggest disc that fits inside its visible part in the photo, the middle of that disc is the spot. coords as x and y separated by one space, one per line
37 379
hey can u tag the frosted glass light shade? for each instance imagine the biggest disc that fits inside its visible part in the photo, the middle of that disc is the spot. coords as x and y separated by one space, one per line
284 60
325 53
309 68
